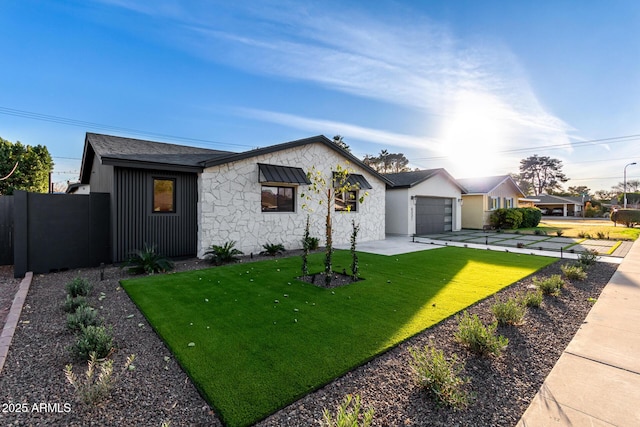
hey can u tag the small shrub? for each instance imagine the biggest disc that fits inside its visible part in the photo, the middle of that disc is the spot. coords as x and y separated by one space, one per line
584 235
91 389
509 312
532 298
147 261
223 254
348 414
539 232
602 235
272 249
439 376
93 339
520 245
588 258
573 272
83 316
549 285
78 287
312 243
478 338
72 303
559 233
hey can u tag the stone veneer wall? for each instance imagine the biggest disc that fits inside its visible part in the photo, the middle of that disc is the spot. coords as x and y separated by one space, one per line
229 206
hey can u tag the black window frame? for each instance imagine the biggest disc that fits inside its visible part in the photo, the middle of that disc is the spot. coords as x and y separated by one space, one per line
153 195
278 207
347 201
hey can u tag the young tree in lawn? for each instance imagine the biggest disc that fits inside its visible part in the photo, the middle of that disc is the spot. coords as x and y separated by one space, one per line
326 188
543 173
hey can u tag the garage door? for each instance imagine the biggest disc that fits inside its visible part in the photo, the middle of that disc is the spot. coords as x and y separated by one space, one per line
433 215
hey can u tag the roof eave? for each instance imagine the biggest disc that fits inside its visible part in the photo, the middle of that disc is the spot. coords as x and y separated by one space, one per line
126 163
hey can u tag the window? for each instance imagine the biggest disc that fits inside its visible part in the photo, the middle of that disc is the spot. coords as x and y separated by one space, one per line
277 199
347 201
494 203
164 195
508 202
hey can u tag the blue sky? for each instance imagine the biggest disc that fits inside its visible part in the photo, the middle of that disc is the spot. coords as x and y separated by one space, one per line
471 86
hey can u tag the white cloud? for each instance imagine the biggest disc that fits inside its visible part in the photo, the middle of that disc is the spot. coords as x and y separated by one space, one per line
472 94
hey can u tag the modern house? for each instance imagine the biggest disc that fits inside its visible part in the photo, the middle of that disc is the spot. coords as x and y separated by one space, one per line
485 195
184 199
561 205
423 202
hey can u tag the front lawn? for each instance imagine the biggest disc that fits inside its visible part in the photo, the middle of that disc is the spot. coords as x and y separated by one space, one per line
254 339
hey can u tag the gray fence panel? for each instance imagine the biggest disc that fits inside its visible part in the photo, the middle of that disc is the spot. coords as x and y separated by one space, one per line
59 231
6 230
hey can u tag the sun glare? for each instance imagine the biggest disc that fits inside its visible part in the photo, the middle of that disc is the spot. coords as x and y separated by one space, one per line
472 133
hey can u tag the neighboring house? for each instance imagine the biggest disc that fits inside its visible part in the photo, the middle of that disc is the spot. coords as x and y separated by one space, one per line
184 199
423 202
77 188
561 205
486 194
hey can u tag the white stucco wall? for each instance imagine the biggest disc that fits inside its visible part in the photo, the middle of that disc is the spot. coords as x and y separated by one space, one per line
229 205
400 216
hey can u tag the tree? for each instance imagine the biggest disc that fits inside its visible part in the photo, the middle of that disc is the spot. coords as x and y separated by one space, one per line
578 191
632 186
32 172
605 194
387 162
542 173
327 189
339 141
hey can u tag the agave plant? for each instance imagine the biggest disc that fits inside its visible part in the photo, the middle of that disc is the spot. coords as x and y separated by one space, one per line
223 254
147 261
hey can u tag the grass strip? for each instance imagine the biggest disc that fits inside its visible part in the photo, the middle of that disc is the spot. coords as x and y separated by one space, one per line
254 339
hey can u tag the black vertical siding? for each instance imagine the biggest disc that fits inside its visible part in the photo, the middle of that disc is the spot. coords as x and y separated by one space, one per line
135 223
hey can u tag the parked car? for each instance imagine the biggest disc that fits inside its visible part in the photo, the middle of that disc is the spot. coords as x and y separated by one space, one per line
544 211
557 211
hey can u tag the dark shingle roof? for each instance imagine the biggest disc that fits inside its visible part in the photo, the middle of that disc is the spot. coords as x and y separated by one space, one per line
131 152
120 148
412 178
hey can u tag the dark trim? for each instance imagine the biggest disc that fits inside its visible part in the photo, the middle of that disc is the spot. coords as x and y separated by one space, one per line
136 164
282 174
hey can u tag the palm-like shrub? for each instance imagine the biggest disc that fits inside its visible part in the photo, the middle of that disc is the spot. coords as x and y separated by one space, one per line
272 249
147 261
223 254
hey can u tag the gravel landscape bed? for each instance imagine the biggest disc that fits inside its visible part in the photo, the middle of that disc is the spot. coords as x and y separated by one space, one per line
159 391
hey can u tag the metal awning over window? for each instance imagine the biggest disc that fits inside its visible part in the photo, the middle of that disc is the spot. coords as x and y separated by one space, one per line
285 174
355 180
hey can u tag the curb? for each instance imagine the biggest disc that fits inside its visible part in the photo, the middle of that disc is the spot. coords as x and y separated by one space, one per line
12 318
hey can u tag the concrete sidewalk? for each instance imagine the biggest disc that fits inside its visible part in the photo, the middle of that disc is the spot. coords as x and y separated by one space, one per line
596 381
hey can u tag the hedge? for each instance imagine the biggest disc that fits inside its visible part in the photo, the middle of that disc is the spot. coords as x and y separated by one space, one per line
628 217
512 218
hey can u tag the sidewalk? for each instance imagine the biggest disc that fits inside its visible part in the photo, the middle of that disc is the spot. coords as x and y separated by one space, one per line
596 381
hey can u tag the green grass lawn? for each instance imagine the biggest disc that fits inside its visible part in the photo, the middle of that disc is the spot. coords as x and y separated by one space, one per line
254 339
